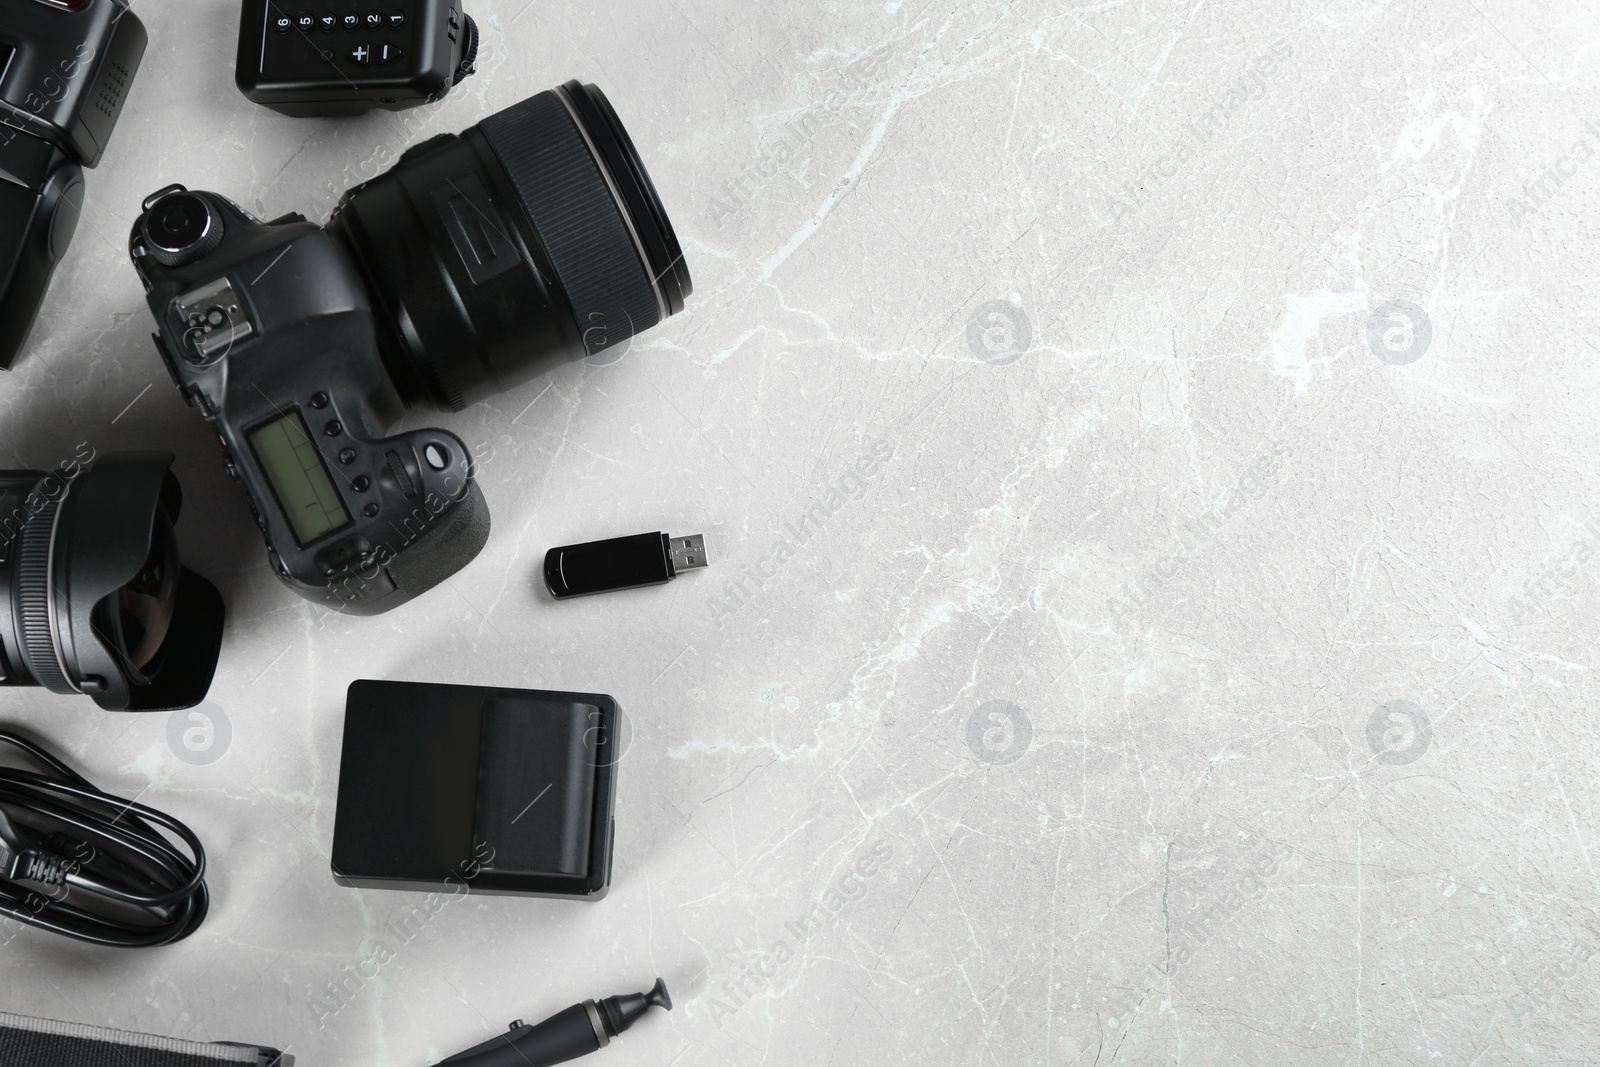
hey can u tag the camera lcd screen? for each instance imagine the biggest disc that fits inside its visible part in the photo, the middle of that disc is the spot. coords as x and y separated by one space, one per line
298 478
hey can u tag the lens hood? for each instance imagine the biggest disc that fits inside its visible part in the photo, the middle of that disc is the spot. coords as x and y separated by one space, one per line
86 542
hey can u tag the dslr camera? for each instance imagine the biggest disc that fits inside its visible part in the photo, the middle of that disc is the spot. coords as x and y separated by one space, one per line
478 261
65 68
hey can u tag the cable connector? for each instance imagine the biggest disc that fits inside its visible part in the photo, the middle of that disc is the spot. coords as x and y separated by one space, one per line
687 553
20 862
46 868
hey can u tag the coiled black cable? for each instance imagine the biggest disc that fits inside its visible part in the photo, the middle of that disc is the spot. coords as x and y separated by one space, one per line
90 865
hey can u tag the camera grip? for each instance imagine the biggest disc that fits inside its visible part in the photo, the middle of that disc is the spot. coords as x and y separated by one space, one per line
444 548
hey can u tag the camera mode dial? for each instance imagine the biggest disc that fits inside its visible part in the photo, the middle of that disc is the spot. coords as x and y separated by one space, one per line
180 227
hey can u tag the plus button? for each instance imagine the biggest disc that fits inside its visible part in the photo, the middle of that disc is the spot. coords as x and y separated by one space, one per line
361 54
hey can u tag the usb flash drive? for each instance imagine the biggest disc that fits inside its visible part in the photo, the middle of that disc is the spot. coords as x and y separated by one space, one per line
620 563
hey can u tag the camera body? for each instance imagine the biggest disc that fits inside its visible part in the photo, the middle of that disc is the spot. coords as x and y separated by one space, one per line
268 330
65 68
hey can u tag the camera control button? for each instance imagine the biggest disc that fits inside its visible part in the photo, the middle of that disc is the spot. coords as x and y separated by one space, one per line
370 511
329 23
283 23
347 456
319 400
305 23
352 21
437 456
397 19
388 53
375 20
333 429
361 54
362 484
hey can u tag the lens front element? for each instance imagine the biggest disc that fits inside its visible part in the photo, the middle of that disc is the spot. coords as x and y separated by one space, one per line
136 618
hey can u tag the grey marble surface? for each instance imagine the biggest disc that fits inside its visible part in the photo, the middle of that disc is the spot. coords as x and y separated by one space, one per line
1148 457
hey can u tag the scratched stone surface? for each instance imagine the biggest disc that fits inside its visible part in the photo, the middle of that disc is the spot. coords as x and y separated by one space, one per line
1147 455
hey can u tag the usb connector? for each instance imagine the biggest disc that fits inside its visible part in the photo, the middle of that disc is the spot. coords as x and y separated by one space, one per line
687 553
621 563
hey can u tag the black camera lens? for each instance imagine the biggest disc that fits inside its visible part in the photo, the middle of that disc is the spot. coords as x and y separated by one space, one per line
99 602
180 227
533 238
